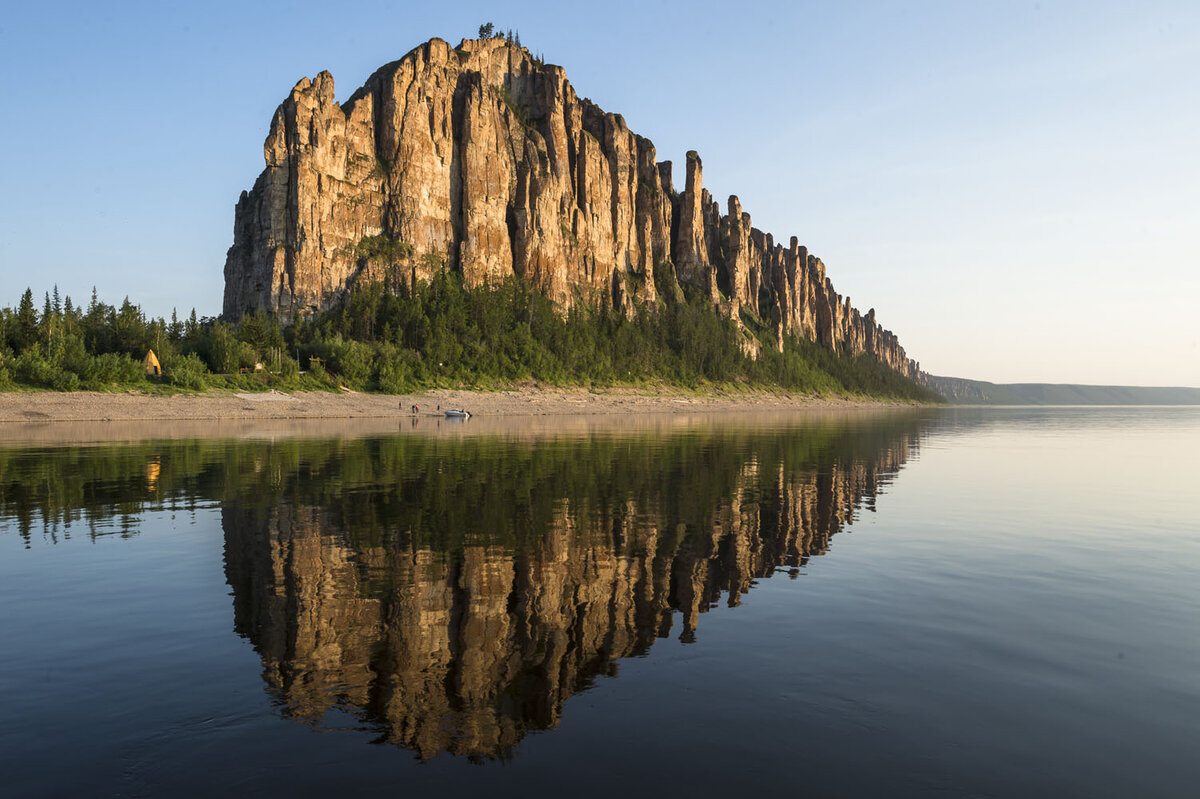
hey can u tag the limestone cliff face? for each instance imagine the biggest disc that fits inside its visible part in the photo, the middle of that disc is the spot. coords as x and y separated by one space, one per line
483 160
465 652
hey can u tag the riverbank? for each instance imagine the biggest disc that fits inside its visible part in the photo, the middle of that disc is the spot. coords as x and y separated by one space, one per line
83 406
54 419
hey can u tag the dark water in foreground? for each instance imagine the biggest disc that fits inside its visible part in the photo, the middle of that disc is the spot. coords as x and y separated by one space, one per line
993 602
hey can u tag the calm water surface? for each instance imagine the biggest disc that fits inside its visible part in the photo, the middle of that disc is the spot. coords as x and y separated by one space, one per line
998 602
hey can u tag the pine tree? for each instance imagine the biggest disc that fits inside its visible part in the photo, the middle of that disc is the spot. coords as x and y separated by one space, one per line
27 322
70 320
47 325
129 328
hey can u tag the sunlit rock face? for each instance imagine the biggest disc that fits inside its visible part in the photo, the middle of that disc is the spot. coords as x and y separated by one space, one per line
461 634
482 159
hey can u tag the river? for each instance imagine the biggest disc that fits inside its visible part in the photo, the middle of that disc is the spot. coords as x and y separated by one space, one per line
993 602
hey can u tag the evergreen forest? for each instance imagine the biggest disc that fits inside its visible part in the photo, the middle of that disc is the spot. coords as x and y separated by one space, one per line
434 334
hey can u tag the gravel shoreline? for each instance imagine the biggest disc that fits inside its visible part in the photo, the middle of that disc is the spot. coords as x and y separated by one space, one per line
33 417
34 406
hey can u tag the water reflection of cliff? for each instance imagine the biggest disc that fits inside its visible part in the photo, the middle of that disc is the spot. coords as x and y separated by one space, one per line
458 603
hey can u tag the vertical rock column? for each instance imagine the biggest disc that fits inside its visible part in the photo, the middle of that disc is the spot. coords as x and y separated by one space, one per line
692 264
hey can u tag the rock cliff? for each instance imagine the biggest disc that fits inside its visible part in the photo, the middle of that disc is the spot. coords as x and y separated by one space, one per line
481 159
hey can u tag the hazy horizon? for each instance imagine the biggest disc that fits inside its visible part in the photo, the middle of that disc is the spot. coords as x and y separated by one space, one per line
1012 188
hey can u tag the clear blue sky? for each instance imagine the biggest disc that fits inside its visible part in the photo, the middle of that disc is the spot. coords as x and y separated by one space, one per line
1015 187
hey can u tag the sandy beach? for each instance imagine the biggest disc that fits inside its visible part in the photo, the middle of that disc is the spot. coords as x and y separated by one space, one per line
95 406
89 417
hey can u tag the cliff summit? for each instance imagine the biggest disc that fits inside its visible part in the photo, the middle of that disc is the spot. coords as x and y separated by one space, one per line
483 160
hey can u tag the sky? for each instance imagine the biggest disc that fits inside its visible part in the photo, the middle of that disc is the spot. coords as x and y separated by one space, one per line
1013 186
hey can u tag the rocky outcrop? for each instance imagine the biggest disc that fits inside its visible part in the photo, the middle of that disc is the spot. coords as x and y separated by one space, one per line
481 159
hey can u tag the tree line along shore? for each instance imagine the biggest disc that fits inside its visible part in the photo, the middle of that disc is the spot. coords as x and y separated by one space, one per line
439 334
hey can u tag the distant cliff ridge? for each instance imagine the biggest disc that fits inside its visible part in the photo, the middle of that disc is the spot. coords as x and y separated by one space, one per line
961 391
483 160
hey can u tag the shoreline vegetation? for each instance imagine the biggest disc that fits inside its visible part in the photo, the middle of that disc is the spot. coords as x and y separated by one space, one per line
405 340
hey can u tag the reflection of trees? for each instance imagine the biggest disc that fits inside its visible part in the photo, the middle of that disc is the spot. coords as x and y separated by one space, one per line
97 490
457 594
456 591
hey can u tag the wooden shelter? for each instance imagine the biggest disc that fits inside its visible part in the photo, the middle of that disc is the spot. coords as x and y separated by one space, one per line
153 368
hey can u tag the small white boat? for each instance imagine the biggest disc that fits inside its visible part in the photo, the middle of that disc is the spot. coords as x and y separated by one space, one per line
458 413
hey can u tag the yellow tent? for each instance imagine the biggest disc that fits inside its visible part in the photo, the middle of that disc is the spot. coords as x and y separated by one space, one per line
151 363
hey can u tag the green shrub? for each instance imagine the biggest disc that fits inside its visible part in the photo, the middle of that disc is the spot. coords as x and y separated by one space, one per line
64 381
352 361
112 368
383 247
186 371
288 370
319 375
32 369
397 371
